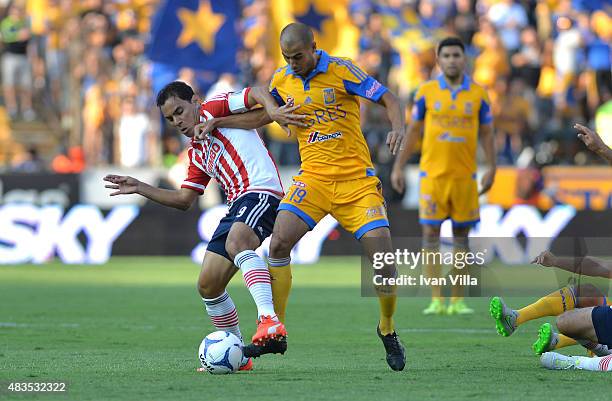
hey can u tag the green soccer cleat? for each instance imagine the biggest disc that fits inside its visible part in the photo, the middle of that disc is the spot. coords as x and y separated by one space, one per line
556 361
505 317
459 308
547 339
436 307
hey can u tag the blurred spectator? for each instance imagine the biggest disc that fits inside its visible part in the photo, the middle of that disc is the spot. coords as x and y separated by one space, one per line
27 161
526 63
16 69
466 23
565 59
512 116
226 83
171 148
509 18
133 137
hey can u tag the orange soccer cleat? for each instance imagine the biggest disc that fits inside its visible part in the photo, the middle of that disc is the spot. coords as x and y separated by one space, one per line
247 366
268 328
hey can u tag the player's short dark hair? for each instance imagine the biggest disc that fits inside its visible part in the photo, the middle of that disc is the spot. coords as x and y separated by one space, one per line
174 89
450 41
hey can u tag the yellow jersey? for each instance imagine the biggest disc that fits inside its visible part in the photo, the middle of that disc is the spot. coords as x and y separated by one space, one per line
332 147
452 120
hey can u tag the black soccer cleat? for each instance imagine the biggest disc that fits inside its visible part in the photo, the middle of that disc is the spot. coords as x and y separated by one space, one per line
272 346
396 356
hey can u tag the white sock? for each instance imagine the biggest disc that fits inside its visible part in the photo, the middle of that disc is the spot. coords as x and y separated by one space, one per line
597 349
602 364
223 315
257 278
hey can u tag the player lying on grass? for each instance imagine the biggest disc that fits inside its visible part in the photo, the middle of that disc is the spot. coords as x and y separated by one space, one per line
591 324
337 176
568 298
241 164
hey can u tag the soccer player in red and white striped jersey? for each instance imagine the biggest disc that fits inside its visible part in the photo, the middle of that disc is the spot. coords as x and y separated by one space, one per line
242 165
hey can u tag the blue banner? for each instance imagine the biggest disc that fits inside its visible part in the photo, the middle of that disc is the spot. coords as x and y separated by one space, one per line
199 34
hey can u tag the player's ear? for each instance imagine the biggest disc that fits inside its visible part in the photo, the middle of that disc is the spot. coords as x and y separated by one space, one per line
195 99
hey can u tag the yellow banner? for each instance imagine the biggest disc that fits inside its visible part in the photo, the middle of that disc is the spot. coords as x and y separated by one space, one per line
585 188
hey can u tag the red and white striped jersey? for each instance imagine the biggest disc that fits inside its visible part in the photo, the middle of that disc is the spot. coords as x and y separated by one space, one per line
236 158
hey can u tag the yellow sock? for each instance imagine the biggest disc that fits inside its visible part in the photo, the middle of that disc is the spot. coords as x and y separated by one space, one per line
565 341
387 309
551 305
281 287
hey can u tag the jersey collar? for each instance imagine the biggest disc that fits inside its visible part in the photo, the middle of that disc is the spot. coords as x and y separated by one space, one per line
321 67
465 85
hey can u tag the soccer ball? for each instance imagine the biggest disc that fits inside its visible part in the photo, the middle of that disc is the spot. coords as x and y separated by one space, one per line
220 353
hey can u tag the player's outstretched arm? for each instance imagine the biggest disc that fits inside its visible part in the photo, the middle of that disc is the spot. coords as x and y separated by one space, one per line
250 120
594 142
487 138
398 181
587 265
283 115
124 185
395 112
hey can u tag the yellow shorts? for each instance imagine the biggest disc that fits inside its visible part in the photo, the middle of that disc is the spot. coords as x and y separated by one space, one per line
358 205
444 198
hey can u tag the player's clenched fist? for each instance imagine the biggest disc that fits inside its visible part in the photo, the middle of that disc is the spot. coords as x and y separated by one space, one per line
200 131
545 258
122 183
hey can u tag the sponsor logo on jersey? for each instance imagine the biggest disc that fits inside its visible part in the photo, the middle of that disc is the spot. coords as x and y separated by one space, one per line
373 89
316 136
308 100
437 106
468 107
329 96
447 137
214 151
299 184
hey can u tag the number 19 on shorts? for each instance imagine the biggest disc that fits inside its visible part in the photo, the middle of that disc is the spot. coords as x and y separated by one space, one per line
297 196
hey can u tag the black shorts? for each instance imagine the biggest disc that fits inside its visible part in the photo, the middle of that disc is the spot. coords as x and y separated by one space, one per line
602 321
257 210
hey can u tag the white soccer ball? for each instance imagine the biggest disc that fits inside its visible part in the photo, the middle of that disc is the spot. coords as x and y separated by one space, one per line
220 353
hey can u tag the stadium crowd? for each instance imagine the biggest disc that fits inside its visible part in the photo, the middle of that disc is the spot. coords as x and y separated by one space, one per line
546 64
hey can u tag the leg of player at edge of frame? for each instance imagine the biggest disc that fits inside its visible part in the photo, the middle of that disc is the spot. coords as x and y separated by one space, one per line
373 241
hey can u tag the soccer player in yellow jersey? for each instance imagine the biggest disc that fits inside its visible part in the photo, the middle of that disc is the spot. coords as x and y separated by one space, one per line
337 176
453 112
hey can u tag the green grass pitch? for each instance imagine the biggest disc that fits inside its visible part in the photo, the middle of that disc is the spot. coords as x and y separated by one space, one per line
130 330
